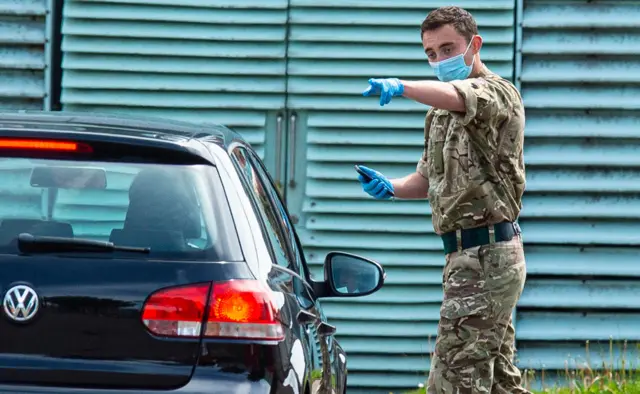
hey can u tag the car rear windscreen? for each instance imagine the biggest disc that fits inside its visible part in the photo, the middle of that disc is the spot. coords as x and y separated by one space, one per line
179 212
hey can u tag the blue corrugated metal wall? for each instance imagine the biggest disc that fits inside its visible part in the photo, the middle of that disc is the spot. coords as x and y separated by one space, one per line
199 61
24 36
335 46
579 76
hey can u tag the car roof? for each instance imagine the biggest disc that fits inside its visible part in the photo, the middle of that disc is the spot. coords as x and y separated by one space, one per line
137 127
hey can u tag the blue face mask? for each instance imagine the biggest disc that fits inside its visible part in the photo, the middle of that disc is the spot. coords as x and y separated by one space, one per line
453 68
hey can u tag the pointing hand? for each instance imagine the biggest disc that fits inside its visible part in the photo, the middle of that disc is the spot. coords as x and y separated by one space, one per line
385 87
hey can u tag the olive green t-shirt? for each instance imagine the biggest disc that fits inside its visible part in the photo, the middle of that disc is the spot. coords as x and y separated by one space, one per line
474 160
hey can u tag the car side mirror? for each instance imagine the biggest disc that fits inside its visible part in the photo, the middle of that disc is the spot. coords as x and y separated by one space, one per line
349 275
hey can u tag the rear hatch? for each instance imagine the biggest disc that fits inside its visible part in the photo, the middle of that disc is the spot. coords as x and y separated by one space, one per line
88 330
73 305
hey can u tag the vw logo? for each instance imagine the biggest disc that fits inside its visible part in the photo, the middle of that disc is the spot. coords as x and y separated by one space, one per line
21 303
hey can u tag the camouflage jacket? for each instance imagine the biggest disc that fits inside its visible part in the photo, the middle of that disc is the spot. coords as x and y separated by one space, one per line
474 160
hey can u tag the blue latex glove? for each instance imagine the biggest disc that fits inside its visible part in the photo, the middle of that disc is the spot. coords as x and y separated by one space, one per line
385 87
379 187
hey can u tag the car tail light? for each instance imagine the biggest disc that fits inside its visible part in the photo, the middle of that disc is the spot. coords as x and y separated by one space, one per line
177 311
242 309
46 145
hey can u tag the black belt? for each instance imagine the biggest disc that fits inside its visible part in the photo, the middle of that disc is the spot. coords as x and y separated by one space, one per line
479 236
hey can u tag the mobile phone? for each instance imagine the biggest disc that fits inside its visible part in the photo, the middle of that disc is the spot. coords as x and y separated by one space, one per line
368 178
364 174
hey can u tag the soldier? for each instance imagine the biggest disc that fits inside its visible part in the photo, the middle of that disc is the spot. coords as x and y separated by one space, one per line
472 171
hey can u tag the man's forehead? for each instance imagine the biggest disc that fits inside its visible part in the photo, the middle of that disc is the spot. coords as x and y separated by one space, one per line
434 39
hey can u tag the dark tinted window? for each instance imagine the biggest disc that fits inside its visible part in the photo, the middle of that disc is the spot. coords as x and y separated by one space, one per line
301 291
179 211
265 210
282 214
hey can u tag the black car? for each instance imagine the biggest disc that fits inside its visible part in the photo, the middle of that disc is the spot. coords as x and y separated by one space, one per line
148 256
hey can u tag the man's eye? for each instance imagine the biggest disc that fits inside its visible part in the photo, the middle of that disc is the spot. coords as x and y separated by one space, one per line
447 51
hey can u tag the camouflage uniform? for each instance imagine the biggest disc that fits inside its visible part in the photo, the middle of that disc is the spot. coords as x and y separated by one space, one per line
475 167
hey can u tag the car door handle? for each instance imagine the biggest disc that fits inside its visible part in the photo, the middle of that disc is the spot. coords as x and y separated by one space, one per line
279 120
292 150
305 317
326 329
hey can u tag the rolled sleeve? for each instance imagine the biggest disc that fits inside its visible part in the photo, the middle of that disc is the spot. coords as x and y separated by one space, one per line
480 99
423 167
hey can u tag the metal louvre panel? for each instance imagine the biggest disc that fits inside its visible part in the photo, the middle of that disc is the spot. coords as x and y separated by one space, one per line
334 47
23 37
580 86
199 61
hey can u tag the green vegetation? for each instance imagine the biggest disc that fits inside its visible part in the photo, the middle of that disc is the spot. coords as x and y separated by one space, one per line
608 377
602 386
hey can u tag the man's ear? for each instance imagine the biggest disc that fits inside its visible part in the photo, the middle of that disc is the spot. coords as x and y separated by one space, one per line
476 44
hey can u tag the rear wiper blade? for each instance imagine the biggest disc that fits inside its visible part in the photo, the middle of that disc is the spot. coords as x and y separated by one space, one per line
28 243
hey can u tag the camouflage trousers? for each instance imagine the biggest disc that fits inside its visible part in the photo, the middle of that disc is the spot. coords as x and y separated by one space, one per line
475 345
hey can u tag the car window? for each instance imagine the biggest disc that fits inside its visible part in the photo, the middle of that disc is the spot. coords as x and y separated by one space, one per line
303 293
282 215
265 210
179 211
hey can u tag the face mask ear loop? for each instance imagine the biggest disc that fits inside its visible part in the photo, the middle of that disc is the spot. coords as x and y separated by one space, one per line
469 45
473 60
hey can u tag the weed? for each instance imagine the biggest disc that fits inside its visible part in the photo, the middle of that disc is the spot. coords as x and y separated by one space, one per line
607 377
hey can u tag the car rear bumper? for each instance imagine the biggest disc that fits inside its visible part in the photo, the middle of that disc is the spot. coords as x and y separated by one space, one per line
223 383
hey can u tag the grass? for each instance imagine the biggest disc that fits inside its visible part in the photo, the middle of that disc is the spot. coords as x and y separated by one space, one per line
608 377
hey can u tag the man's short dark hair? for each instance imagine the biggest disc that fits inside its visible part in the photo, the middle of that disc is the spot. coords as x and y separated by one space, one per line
459 18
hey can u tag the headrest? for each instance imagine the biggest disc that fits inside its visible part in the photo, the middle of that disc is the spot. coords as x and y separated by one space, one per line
162 200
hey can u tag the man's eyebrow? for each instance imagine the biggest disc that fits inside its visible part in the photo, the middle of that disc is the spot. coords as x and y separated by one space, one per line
444 44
